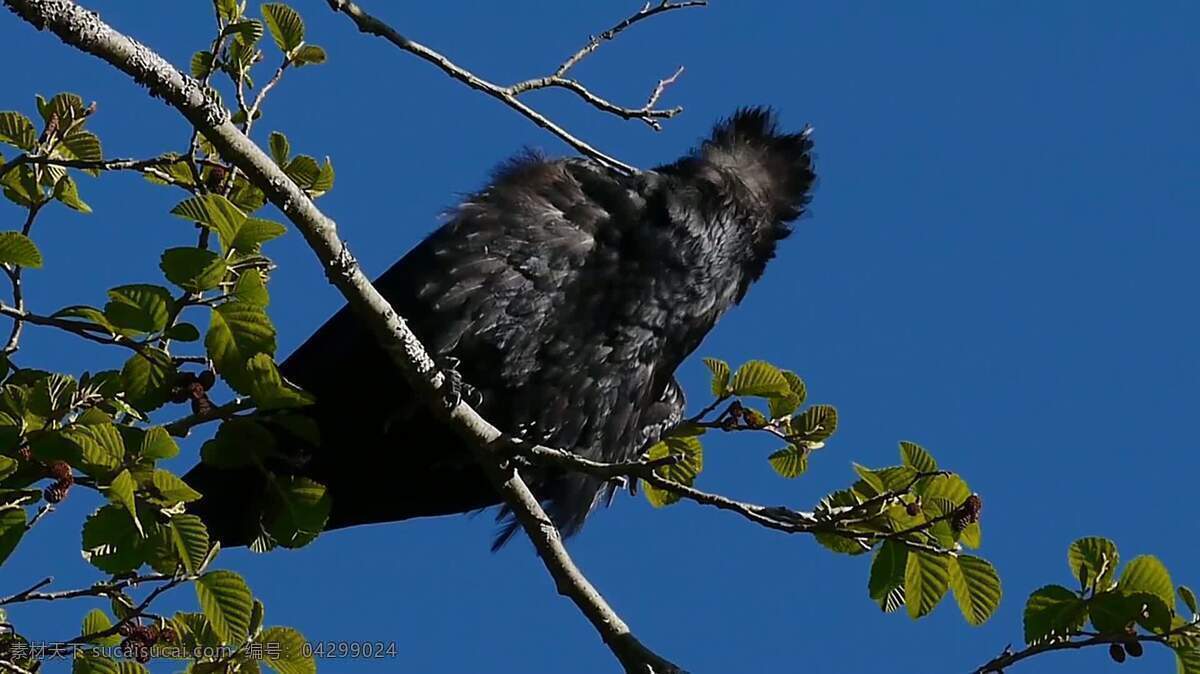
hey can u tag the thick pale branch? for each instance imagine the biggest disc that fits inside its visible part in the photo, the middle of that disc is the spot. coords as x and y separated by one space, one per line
85 30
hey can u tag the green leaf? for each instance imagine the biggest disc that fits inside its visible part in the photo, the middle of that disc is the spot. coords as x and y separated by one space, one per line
761 379
285 24
121 492
871 479
886 585
267 387
1111 612
976 587
298 511
139 307
720 376
917 458
280 148
248 32
239 442
67 192
190 537
193 269
157 443
65 105
8 466
285 651
18 249
324 180
215 212
971 536
171 488
101 447
147 379
81 145
1053 613
926 580
1146 574
238 332
251 289
12 528
254 232
202 63
1187 660
182 332
815 424
790 462
17 130
1188 597
1090 556
309 54
227 603
110 541
947 489
89 314
95 621
691 451
228 10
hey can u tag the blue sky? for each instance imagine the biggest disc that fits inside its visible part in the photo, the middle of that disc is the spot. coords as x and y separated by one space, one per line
997 265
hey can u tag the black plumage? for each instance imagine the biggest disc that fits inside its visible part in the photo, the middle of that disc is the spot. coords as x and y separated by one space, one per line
570 293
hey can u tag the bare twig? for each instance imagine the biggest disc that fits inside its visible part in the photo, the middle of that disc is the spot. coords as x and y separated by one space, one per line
88 331
137 611
14 278
86 31
509 94
181 427
97 590
151 167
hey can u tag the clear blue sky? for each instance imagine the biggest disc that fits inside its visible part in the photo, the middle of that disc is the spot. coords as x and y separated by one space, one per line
999 264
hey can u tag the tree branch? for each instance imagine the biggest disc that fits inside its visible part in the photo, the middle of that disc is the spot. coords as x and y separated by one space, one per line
1008 658
86 31
367 23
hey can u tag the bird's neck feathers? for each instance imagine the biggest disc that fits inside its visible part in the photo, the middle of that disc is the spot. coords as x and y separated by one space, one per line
744 185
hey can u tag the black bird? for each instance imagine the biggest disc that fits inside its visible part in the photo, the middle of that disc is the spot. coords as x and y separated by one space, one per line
569 293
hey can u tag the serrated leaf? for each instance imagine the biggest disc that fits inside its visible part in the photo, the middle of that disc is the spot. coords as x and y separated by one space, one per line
202 63
12 528
285 24
100 445
917 458
215 212
1053 613
157 443
67 192
267 387
871 479
926 580
1146 574
886 584
182 332
65 106
18 249
96 621
1188 597
720 376
976 587
237 444
1187 660
280 148
971 536
139 308
251 289
227 603
254 232
815 424
790 462
191 540
248 32
81 145
691 463
194 269
121 492
286 650
237 333
324 180
171 488
298 512
1088 556
110 541
948 488
309 54
147 378
17 130
761 379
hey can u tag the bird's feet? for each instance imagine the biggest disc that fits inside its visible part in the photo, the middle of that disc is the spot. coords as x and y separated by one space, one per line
457 390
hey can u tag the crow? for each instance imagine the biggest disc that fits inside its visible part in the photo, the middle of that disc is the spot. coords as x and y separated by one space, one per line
568 293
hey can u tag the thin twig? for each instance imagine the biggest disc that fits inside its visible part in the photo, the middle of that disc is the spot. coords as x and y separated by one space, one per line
367 23
14 277
88 331
1008 658
181 427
